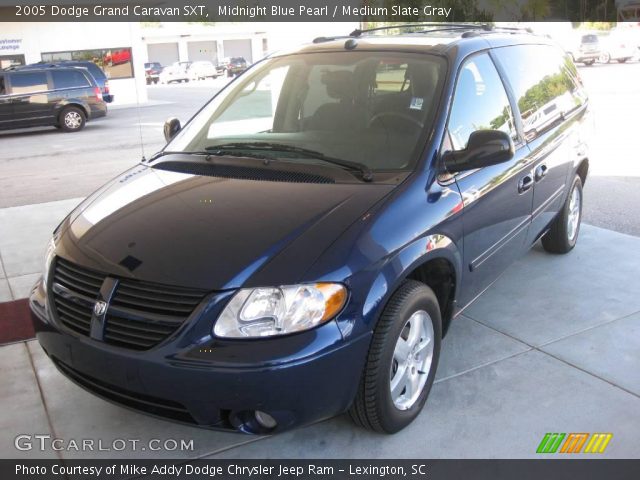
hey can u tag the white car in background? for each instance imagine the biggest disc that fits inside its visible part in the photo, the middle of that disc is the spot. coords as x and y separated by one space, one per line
202 69
176 72
618 45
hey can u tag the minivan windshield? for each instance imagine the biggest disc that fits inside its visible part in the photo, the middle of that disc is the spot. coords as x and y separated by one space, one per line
365 108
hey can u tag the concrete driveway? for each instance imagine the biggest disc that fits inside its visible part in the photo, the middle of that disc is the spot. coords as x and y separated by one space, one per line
551 347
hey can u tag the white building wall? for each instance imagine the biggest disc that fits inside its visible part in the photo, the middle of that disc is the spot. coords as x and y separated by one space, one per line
38 37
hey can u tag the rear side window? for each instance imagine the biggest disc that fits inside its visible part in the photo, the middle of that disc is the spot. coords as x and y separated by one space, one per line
69 79
480 102
28 82
545 84
95 70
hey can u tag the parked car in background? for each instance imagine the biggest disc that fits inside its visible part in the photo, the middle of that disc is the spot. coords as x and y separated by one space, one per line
233 65
202 69
363 197
176 72
64 97
152 72
617 46
587 50
98 74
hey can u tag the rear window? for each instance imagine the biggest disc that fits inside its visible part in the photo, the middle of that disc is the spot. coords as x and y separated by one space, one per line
589 39
237 60
69 79
28 82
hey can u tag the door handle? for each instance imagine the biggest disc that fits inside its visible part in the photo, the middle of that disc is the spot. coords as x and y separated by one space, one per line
541 171
525 183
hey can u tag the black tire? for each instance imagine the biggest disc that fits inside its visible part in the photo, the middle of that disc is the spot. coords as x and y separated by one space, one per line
71 119
373 407
622 60
557 239
588 63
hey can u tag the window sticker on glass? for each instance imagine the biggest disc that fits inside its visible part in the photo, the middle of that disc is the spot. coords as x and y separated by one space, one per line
416 103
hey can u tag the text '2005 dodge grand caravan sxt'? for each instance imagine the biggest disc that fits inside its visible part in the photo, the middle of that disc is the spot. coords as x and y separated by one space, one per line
300 247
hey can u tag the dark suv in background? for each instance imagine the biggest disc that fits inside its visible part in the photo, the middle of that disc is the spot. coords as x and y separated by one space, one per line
96 72
300 247
62 97
233 66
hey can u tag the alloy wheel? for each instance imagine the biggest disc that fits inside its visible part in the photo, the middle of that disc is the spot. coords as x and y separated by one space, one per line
72 120
412 358
573 218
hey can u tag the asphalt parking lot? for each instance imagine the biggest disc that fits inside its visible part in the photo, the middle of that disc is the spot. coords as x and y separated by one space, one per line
43 165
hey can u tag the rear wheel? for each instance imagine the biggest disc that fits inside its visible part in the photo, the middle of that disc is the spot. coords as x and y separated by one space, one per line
563 234
622 60
588 63
402 360
71 119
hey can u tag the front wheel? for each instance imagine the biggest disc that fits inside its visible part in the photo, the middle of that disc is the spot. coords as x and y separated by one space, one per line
605 57
563 234
402 360
72 119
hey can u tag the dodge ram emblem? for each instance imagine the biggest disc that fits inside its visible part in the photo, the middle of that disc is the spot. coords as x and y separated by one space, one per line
99 308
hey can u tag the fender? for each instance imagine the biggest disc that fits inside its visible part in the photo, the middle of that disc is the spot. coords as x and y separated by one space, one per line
72 101
395 269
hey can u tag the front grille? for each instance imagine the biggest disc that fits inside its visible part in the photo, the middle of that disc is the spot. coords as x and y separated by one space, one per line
140 314
146 403
79 283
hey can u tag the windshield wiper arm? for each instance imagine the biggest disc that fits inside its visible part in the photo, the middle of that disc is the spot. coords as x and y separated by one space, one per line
363 169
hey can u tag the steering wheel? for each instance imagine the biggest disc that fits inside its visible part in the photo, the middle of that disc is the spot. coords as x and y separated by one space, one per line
403 116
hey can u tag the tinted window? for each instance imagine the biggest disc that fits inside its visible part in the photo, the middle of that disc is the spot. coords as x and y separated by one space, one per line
589 39
480 102
28 82
2 91
544 81
68 79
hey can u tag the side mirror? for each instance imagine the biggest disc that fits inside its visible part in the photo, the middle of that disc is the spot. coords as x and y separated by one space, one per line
171 128
485 148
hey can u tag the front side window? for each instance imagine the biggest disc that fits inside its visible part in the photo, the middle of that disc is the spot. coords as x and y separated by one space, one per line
544 81
28 82
480 102
364 107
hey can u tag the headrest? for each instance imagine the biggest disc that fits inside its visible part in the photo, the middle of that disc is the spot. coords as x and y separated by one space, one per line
340 84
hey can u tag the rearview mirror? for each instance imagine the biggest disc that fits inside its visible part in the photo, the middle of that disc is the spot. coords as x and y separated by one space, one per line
485 148
171 128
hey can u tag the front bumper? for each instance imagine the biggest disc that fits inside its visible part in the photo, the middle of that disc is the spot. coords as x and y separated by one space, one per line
207 382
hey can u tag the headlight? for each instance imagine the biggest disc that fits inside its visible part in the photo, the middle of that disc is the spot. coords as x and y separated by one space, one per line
48 259
263 312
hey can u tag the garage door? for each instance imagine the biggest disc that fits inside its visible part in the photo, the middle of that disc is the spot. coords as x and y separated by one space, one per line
202 51
165 53
238 48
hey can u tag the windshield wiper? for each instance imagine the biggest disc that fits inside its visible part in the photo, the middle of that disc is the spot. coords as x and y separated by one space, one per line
364 170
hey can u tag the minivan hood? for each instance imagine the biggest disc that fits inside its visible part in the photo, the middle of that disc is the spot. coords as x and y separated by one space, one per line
206 232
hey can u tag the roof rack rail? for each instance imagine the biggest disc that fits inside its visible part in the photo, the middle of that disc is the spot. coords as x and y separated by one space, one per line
441 26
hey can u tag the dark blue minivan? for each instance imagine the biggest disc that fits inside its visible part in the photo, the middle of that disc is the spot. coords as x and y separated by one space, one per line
301 245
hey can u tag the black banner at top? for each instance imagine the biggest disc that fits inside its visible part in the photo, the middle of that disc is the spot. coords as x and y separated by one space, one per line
399 11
